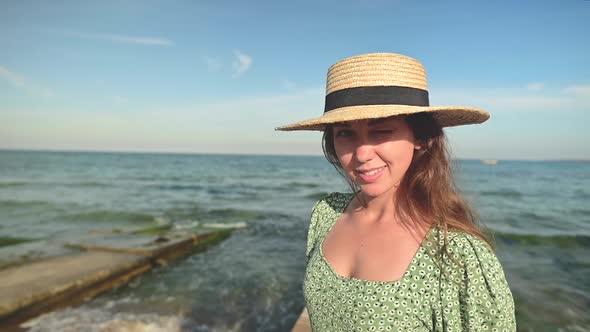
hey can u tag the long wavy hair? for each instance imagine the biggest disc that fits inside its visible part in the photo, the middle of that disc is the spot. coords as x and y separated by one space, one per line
427 191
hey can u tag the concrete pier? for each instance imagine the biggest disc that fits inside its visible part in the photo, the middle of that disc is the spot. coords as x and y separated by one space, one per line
35 288
303 324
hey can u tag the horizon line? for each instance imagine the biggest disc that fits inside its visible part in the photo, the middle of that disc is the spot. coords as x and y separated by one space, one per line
249 154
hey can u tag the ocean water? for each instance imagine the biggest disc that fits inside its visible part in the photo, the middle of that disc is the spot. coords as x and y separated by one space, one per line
539 213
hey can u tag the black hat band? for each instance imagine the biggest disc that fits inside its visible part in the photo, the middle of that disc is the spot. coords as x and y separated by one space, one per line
376 95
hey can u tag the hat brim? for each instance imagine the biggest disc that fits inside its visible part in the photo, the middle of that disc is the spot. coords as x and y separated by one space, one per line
445 116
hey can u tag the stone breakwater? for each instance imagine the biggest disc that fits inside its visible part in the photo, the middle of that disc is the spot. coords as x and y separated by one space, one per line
35 288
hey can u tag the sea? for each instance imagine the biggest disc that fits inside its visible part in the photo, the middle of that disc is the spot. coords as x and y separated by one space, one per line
538 212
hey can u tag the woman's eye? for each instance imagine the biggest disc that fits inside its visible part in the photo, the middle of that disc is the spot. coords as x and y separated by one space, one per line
344 133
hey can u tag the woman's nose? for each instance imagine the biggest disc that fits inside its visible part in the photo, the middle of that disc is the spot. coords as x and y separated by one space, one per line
364 152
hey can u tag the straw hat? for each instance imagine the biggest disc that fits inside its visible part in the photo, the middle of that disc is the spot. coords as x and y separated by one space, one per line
380 85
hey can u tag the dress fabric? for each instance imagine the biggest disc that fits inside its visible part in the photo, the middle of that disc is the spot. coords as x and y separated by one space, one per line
464 292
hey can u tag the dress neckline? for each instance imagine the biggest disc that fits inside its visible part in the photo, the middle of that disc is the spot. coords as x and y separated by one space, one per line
413 262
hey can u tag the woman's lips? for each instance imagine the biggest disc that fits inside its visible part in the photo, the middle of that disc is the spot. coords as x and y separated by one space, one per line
370 175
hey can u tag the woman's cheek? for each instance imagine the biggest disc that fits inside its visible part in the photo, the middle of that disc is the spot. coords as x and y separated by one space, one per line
346 160
344 153
405 159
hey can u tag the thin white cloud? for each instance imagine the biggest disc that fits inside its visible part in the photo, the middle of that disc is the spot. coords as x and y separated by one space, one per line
12 77
514 99
579 90
21 82
245 125
242 63
240 125
213 64
535 86
139 40
124 39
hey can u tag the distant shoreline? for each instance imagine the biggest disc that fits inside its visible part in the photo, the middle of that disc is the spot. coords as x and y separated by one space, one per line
254 154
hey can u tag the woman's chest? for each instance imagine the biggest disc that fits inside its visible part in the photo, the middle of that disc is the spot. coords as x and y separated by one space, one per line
349 302
378 253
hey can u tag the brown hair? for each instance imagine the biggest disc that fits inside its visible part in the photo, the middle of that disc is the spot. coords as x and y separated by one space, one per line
427 191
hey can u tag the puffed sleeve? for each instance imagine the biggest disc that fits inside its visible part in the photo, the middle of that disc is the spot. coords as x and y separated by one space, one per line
481 300
311 231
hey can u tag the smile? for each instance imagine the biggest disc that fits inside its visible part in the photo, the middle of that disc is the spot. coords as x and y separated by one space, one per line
370 175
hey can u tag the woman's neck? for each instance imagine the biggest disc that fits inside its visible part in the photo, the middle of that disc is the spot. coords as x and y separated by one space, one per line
376 209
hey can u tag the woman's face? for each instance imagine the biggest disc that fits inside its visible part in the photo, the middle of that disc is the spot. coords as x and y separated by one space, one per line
375 153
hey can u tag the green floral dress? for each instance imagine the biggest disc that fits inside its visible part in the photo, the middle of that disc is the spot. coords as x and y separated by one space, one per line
465 293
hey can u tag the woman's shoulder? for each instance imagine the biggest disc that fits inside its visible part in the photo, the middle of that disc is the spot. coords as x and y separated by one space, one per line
473 254
323 213
480 280
333 202
465 242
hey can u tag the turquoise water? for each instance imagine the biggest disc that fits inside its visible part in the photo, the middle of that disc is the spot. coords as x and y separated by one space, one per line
538 211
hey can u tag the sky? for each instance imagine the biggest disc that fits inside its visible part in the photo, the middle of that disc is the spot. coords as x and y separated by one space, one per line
219 76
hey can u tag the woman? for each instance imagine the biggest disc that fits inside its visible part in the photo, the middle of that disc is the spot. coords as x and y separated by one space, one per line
403 251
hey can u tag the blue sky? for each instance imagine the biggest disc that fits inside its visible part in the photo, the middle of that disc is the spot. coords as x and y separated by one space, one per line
218 76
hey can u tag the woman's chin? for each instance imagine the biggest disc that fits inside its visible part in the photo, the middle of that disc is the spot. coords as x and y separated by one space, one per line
372 191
